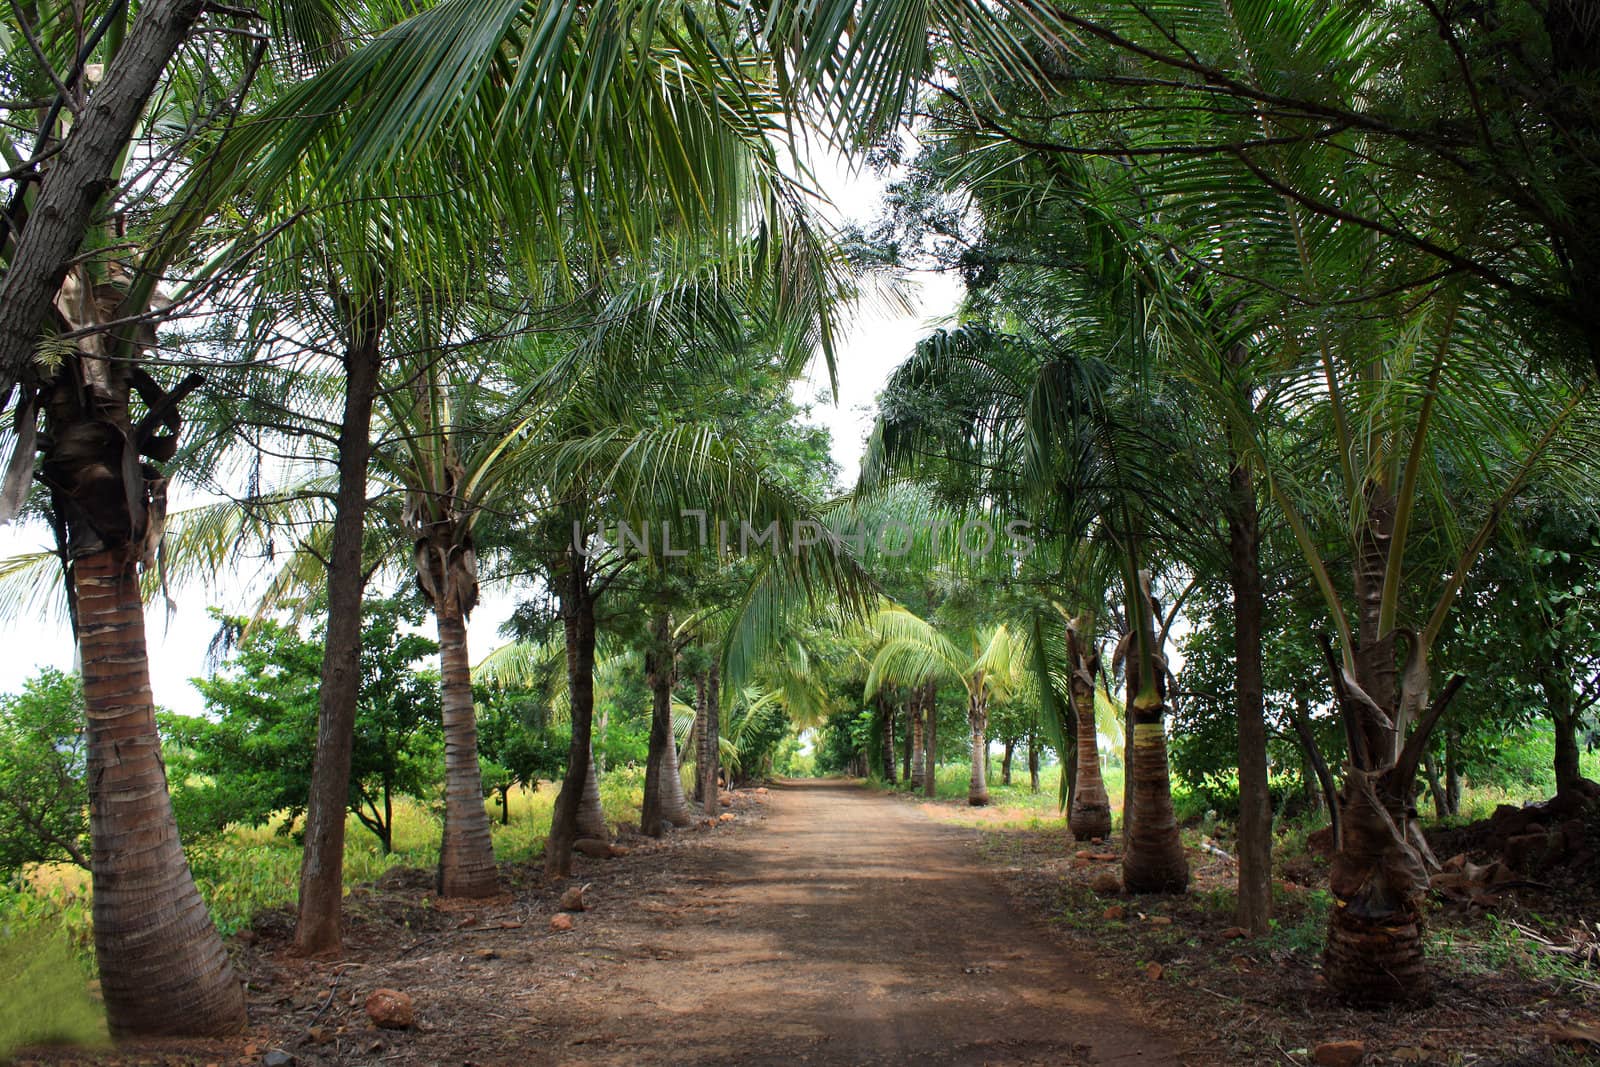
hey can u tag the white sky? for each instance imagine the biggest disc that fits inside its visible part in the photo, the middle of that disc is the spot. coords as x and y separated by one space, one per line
873 346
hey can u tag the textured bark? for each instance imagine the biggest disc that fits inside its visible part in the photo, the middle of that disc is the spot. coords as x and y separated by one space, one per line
72 184
918 755
1005 761
317 928
930 734
978 723
1153 860
577 619
1254 909
1090 813
663 786
163 969
886 713
711 740
1033 766
907 740
591 814
466 851
700 738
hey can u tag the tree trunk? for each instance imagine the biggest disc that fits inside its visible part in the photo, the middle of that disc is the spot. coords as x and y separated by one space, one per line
591 813
663 787
1129 815
577 618
1430 772
466 851
72 184
700 737
886 714
978 721
1452 770
1153 860
1254 910
1005 761
908 740
1378 876
1089 815
930 734
1033 765
322 866
711 740
918 755
163 969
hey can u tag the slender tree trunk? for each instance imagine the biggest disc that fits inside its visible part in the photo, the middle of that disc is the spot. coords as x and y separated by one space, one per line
1430 772
1153 860
577 617
930 734
163 969
978 720
1254 910
711 740
1452 770
663 787
322 867
505 805
1129 815
908 741
466 851
1005 761
591 813
700 737
886 713
1089 815
72 184
918 755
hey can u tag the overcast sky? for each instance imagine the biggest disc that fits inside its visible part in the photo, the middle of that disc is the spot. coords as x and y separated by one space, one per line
874 343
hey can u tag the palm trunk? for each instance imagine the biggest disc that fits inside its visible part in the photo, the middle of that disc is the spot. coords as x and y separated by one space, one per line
1005 761
886 714
1090 814
1153 860
577 618
711 740
316 928
1254 909
908 741
700 737
466 851
978 720
1033 765
918 753
163 969
663 787
930 734
591 813
1378 876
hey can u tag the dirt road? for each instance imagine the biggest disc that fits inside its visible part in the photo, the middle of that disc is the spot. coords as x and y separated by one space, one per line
848 928
827 925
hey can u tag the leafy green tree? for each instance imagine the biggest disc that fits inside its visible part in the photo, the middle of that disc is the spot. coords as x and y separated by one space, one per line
44 815
251 763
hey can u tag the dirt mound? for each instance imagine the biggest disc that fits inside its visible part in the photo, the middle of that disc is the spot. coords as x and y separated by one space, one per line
1556 840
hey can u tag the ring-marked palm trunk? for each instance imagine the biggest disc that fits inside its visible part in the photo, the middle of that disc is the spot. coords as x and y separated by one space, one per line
699 733
578 622
1153 860
886 714
664 805
466 851
1090 813
918 754
1254 910
978 722
930 736
163 969
591 813
711 740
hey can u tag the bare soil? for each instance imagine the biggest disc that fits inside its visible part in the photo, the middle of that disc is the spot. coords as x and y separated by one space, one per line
824 924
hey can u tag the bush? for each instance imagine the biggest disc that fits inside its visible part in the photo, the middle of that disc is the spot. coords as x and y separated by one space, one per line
43 795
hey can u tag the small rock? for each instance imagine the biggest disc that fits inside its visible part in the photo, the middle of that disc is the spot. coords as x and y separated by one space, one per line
1339 1054
1107 883
572 899
1154 971
560 922
276 1057
1160 920
726 800
390 1009
1234 933
726 816
592 847
761 791
488 954
1114 912
619 850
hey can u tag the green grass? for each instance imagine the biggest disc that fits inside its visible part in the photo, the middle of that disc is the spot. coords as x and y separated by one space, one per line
45 995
